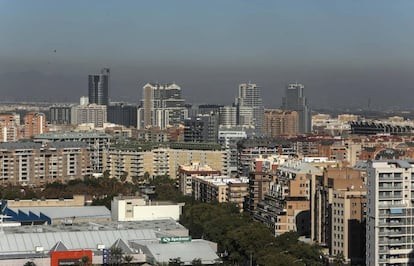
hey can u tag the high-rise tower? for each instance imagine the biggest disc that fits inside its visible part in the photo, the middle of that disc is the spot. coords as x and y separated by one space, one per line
98 85
249 104
295 100
161 105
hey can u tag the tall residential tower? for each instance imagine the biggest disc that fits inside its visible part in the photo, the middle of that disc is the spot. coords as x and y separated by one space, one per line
161 106
390 213
250 109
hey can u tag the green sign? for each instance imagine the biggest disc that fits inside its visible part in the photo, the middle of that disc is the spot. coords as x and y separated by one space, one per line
171 239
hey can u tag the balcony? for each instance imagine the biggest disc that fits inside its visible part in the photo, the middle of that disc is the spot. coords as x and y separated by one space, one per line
392 241
392 232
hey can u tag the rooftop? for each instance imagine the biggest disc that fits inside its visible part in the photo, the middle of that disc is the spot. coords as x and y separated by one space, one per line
223 180
34 145
73 135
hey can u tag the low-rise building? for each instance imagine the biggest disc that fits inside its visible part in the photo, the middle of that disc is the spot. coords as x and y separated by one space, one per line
139 209
220 189
186 172
153 242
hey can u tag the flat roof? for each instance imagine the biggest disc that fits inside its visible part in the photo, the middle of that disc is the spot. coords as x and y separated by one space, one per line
187 251
36 145
72 135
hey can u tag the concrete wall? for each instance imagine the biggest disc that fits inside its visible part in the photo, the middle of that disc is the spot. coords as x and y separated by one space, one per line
155 212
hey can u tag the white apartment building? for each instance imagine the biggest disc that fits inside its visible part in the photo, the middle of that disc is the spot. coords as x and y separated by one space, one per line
228 138
390 220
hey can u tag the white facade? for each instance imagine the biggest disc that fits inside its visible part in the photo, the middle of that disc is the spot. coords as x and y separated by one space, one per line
228 116
228 138
138 209
390 219
91 113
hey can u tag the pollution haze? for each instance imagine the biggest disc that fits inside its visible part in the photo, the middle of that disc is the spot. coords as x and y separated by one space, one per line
346 53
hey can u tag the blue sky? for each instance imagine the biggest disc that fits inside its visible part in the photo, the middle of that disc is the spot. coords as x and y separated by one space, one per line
343 51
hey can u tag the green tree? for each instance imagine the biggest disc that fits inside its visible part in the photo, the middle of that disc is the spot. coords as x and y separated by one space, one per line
136 180
106 174
115 256
128 259
339 259
146 176
123 176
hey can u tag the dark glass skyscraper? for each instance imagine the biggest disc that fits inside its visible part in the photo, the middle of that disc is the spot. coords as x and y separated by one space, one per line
122 114
294 100
98 85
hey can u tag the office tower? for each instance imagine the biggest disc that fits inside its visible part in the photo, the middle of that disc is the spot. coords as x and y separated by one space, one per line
98 85
250 107
122 114
34 124
91 113
161 105
390 218
278 123
295 100
60 114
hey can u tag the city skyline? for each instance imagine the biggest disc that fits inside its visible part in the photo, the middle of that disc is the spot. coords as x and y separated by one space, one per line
347 54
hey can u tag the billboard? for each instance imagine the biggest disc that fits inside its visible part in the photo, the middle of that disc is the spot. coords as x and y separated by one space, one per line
71 257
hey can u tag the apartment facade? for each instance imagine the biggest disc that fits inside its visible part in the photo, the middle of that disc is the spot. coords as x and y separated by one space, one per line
278 123
98 142
9 127
34 124
220 189
159 161
186 172
390 222
91 113
29 163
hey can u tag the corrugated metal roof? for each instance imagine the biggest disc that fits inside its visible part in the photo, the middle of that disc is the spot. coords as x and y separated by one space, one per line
187 251
18 243
67 212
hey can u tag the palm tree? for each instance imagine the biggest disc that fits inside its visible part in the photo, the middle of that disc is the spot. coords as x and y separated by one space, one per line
339 259
116 256
128 259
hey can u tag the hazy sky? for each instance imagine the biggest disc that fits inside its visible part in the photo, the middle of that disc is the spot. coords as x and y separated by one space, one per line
344 52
